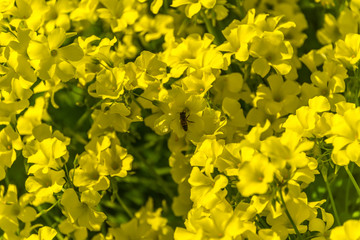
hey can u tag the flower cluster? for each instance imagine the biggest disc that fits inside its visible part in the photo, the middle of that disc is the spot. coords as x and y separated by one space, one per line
258 106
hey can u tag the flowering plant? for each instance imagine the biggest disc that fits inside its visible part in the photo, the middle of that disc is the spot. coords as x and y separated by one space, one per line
182 119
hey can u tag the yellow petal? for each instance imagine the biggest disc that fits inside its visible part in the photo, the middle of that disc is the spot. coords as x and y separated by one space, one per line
192 9
261 67
72 52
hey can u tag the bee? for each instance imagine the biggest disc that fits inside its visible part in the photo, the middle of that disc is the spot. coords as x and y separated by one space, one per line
184 120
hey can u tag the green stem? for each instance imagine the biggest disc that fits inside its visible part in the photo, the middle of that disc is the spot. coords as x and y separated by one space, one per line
166 6
137 95
67 176
352 179
43 211
259 224
74 168
183 26
123 205
47 219
332 202
7 181
137 103
219 38
261 221
289 216
118 198
96 105
347 192
82 119
59 236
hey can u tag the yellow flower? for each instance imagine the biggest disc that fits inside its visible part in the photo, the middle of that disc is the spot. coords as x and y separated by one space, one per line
198 82
9 142
321 225
109 83
44 185
174 102
47 152
335 29
299 209
44 233
180 167
127 48
253 139
72 230
147 69
206 154
90 174
13 209
330 31
293 13
146 224
156 5
268 234
58 14
51 154
13 100
32 117
100 60
119 14
348 50
315 58
329 83
255 176
239 37
261 37
233 110
51 59
344 136
117 161
349 231
289 148
218 12
83 212
6 5
206 191
271 51
113 116
280 98
32 12
258 116
232 86
218 223
193 7
86 10
17 59
195 53
230 159
307 121
154 28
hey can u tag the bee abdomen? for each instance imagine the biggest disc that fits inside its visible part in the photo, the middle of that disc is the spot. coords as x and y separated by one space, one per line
183 121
